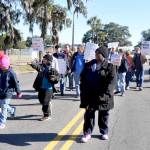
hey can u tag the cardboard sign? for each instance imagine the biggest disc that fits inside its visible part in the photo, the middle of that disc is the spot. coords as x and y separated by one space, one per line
89 53
62 65
37 44
145 47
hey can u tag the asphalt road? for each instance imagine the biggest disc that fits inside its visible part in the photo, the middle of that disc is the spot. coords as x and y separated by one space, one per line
129 122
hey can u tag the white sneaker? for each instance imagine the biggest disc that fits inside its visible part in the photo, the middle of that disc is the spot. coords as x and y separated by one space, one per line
86 138
127 88
140 88
104 137
45 118
2 126
137 88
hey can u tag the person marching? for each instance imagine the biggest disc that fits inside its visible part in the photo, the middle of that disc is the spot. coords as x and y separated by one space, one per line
60 56
98 81
8 84
78 63
43 84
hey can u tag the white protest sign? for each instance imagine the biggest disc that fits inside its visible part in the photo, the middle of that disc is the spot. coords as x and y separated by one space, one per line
37 44
89 53
34 55
113 45
116 59
62 66
145 47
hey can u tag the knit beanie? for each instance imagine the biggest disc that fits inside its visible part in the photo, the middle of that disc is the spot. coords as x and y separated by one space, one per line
103 51
4 62
48 57
1 54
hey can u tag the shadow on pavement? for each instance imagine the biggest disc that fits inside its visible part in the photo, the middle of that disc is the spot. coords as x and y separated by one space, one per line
27 117
26 104
26 97
25 139
28 91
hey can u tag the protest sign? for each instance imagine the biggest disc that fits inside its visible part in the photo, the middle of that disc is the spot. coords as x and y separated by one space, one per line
62 66
145 47
34 55
37 44
116 59
113 45
89 53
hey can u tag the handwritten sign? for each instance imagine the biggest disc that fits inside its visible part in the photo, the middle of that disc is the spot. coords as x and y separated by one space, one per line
37 44
116 59
89 53
62 66
34 55
145 47
113 45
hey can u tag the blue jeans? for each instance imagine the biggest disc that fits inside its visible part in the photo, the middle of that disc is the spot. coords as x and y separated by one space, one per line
5 107
121 82
77 83
139 73
70 77
62 83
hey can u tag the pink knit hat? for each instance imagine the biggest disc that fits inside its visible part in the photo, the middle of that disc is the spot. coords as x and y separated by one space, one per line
4 62
1 54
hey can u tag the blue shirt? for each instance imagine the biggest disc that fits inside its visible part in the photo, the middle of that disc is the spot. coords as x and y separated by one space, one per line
46 84
79 63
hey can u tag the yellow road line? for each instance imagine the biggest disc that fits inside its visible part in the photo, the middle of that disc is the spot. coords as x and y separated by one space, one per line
57 139
72 138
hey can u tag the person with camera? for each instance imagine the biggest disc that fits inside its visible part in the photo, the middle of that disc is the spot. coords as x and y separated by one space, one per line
43 84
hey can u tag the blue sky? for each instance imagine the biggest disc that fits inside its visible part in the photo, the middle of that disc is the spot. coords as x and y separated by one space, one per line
132 13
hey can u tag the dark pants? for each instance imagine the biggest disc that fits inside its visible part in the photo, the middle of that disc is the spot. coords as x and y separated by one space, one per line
129 75
45 99
70 77
89 121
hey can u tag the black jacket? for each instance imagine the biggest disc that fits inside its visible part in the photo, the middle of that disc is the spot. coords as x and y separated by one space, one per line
97 86
8 83
44 71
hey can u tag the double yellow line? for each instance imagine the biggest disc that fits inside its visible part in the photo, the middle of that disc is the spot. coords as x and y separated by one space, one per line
64 131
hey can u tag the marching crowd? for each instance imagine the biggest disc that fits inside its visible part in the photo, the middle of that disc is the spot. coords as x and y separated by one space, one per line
96 82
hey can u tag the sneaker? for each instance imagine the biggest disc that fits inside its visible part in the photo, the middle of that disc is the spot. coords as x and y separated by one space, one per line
12 115
140 88
104 137
86 138
137 88
2 126
45 118
117 92
127 88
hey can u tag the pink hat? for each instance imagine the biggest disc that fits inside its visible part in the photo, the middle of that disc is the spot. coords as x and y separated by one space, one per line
1 54
4 62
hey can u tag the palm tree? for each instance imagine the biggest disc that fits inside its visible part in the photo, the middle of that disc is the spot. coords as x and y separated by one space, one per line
59 21
8 18
96 26
78 8
71 3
